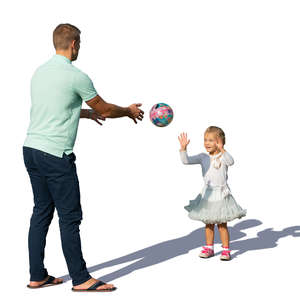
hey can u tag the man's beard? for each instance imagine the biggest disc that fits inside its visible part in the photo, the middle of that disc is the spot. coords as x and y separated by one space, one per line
74 55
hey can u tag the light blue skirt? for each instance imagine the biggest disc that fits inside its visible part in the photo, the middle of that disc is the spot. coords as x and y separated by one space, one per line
216 206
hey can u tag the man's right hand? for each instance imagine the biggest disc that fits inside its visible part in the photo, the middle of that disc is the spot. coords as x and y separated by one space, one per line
108 110
135 113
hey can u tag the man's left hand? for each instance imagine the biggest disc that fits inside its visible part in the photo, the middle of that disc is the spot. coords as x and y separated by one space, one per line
95 116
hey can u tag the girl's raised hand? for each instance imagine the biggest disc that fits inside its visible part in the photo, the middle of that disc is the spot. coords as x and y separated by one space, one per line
220 145
183 140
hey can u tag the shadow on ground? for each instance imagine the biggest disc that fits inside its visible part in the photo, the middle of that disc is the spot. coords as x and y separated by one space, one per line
164 251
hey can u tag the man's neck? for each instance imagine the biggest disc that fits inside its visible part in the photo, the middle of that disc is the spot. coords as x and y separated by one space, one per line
67 54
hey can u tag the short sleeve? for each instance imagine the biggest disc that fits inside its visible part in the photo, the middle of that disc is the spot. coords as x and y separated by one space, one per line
84 87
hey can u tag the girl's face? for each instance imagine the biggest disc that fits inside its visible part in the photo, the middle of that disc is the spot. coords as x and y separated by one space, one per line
210 142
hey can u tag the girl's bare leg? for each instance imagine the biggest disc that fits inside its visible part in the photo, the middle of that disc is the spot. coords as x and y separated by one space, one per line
209 233
224 234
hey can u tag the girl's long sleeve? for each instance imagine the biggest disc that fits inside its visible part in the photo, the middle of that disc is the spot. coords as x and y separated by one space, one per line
227 159
190 160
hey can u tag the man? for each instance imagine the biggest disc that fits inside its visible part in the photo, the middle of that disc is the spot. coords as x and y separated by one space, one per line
57 92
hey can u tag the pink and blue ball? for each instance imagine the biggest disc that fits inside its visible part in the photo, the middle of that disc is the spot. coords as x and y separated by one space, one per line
161 114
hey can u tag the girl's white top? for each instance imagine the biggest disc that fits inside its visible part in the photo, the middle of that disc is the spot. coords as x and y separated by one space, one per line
214 167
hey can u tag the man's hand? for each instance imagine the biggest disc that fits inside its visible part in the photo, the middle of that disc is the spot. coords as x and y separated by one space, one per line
135 112
108 110
95 116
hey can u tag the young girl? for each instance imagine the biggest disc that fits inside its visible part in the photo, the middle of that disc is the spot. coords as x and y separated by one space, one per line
215 205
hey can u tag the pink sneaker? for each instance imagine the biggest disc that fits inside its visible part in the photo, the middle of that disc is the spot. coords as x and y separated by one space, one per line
225 255
206 252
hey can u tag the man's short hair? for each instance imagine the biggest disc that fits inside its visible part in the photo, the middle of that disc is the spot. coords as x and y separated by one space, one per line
64 34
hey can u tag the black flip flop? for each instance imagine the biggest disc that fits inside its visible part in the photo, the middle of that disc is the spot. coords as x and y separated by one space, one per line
93 288
48 282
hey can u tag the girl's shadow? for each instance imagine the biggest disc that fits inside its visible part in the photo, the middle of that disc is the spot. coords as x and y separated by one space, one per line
265 239
169 249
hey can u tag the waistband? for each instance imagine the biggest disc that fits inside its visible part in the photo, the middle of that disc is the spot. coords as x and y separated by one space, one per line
207 185
224 188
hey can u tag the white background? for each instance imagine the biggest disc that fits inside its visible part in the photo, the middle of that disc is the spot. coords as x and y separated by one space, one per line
233 64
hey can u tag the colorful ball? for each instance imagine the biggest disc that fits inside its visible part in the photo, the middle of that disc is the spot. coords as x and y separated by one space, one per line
161 114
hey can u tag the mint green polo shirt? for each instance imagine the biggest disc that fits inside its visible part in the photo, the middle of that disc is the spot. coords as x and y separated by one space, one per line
57 91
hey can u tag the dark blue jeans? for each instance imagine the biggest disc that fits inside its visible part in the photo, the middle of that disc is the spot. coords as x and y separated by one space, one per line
54 184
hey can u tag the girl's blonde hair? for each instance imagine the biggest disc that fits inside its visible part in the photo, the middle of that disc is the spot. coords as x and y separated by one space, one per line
218 131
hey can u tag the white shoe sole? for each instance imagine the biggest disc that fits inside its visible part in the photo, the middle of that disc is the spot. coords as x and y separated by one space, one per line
225 258
205 256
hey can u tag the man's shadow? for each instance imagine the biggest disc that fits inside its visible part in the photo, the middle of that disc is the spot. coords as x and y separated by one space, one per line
169 249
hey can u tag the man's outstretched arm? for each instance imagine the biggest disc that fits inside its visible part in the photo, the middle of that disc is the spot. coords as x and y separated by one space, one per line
91 114
108 110
84 113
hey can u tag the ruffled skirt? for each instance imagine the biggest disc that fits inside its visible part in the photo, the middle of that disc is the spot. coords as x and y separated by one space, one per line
216 206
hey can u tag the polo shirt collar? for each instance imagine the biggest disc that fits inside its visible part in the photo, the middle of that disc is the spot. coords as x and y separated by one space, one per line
61 58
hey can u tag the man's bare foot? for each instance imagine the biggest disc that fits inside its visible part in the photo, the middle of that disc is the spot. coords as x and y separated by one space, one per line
38 283
90 282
